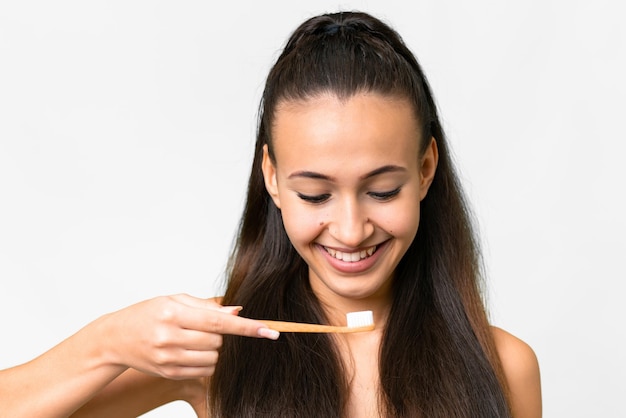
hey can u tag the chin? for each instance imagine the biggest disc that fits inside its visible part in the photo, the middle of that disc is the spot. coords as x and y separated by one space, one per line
357 291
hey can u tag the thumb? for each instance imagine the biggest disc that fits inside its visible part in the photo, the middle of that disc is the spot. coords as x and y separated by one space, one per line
211 303
233 310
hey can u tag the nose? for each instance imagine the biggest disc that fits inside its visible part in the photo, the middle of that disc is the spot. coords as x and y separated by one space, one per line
350 225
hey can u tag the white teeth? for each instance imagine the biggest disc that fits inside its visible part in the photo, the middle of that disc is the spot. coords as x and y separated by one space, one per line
351 257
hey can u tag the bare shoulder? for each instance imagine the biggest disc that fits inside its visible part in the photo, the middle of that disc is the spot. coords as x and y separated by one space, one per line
521 369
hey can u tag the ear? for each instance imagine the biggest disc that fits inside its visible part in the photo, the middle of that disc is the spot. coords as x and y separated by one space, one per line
269 176
428 167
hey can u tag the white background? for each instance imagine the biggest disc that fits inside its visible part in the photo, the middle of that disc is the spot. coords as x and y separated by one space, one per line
126 131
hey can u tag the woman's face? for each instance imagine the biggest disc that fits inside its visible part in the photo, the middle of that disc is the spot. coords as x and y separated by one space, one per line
348 180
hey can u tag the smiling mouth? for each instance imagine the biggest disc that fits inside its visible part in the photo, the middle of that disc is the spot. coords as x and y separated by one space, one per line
351 257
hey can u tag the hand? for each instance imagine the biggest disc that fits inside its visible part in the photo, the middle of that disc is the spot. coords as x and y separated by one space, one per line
177 337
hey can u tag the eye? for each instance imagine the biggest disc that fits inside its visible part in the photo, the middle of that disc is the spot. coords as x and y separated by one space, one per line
384 196
320 198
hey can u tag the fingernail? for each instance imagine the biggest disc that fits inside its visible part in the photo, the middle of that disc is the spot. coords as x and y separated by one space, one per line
268 333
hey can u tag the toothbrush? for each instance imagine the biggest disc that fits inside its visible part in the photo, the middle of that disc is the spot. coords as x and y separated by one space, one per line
356 322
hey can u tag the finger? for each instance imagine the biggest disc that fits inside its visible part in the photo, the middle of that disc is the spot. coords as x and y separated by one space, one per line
199 340
168 362
222 323
182 373
198 358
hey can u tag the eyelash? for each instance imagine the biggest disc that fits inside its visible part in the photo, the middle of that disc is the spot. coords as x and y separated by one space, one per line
314 199
381 196
384 196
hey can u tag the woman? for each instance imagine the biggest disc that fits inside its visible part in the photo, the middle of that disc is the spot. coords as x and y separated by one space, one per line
353 157
353 204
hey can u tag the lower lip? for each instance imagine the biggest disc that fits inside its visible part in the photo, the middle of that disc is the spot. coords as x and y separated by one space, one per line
354 266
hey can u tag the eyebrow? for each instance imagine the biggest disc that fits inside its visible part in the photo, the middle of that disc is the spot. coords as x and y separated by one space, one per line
318 176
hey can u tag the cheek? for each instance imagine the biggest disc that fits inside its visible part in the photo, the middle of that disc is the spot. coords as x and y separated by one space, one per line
401 221
302 226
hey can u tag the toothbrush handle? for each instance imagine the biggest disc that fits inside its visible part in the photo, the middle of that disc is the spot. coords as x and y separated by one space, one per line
283 326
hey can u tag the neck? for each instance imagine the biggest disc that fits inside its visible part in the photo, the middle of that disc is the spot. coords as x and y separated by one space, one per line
336 307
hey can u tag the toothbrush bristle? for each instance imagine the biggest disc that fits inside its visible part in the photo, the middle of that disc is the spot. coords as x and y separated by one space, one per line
359 319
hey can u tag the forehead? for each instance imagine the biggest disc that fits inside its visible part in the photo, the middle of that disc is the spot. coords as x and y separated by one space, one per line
366 129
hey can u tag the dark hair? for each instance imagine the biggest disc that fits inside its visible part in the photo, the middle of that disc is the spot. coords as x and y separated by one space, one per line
437 356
